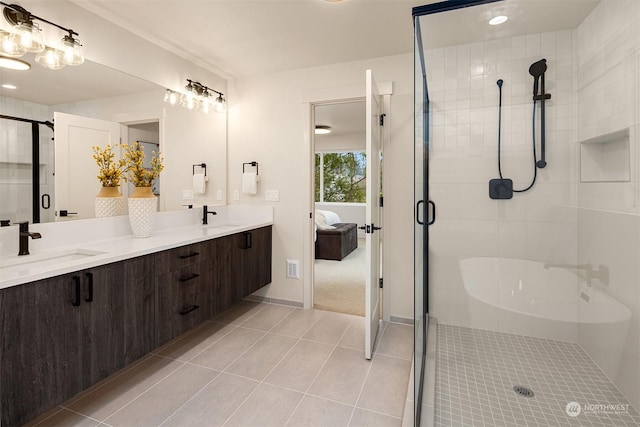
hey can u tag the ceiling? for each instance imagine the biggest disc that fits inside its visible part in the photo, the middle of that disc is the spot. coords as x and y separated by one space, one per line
242 37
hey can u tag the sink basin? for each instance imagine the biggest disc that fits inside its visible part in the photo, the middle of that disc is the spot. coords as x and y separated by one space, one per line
223 225
35 261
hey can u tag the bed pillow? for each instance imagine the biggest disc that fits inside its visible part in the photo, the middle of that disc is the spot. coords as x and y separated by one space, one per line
330 217
321 221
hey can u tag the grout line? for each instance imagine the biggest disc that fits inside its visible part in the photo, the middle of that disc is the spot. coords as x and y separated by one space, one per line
189 399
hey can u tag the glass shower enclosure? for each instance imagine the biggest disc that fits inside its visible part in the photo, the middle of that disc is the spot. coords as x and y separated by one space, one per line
526 139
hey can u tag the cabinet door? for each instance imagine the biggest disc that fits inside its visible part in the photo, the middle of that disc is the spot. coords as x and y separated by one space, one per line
102 322
220 267
139 307
41 353
258 260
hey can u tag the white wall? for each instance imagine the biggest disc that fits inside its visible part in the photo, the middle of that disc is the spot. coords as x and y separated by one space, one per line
266 124
333 144
609 214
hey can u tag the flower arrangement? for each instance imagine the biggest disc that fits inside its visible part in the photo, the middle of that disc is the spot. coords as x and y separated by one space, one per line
109 171
133 166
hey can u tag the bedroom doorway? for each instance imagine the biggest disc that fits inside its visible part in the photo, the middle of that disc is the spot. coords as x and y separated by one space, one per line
340 203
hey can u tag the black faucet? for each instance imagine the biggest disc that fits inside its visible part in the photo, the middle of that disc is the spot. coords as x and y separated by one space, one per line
24 237
205 214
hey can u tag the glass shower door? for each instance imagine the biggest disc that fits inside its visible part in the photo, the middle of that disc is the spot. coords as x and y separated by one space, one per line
421 233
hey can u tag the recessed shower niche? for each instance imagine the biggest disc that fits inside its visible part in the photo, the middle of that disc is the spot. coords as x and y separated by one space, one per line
606 158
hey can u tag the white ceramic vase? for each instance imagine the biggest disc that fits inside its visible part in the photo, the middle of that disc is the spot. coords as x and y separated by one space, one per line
142 211
109 202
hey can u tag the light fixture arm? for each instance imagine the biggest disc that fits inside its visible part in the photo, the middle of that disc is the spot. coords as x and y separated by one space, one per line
200 88
17 15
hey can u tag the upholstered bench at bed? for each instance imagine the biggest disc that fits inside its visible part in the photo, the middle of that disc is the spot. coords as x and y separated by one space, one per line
337 243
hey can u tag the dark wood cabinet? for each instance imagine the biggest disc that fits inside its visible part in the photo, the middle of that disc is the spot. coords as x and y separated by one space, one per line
64 334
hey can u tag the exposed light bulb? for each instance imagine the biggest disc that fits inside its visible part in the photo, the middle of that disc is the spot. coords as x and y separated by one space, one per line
72 52
171 97
50 58
220 104
29 37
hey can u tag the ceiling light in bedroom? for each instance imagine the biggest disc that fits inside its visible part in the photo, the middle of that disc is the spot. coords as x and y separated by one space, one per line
497 20
322 130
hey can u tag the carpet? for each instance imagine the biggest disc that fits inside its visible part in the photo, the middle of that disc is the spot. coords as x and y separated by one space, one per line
340 285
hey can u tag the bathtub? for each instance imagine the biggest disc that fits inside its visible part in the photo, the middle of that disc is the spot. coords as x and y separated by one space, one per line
522 297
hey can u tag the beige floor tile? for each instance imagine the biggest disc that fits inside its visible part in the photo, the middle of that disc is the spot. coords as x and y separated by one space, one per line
317 412
215 403
268 317
364 418
301 365
262 357
342 377
125 387
329 328
267 406
385 389
60 417
240 313
191 344
158 403
397 341
354 336
298 322
226 350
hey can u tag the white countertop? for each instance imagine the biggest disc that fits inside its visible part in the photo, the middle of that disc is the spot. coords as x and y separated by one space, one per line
82 244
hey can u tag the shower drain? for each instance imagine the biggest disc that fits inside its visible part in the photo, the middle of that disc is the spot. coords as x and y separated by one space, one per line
523 391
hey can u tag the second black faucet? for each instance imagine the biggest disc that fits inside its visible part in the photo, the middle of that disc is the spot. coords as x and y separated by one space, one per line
205 214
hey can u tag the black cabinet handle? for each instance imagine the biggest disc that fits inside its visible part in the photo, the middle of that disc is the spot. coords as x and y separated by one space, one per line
192 254
189 310
247 240
90 286
189 277
76 283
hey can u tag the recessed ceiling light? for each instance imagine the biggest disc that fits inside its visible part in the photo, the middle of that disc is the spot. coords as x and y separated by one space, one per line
14 64
497 20
322 130
8 86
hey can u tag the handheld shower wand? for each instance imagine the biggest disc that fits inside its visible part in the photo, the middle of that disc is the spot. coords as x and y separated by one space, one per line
537 70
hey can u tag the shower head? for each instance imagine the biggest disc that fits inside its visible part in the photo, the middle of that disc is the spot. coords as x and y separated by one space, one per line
537 69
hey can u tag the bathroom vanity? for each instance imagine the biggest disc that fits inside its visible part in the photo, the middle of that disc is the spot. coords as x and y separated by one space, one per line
63 333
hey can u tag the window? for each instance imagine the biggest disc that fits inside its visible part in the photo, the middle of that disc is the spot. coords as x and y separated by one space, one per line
341 177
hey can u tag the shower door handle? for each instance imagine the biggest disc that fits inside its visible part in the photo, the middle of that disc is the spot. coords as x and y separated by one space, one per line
421 202
433 212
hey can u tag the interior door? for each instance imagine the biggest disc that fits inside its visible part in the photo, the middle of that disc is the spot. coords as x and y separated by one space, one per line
74 136
372 246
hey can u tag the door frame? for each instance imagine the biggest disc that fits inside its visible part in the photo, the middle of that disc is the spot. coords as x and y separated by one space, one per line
336 95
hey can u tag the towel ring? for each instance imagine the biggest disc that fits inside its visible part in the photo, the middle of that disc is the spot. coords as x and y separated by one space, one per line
200 165
255 164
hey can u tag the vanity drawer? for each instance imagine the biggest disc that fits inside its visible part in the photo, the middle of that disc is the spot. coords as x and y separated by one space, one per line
175 259
183 300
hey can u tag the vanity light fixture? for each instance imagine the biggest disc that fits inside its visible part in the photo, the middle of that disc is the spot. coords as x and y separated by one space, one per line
14 63
26 36
197 96
322 130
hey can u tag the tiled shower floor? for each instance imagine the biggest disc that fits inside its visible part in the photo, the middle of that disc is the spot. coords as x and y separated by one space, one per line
256 365
476 371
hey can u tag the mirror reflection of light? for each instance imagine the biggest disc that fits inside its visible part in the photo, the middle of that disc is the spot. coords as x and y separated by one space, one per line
533 301
9 86
520 285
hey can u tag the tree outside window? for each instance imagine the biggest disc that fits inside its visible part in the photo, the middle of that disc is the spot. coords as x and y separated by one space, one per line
341 177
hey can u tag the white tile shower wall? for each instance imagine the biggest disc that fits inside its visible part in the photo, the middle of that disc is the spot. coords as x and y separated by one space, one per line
463 158
609 213
15 159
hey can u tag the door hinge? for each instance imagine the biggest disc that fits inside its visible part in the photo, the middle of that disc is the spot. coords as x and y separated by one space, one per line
311 215
381 283
381 201
382 119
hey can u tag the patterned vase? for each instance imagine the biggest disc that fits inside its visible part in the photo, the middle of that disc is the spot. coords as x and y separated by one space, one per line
142 211
109 202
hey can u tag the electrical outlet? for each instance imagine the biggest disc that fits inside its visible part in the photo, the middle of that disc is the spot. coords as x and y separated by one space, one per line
187 194
236 194
218 194
272 195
